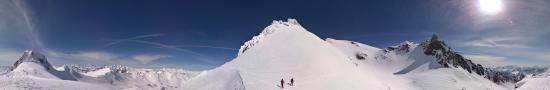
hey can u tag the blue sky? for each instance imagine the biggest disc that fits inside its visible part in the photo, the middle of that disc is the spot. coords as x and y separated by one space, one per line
203 34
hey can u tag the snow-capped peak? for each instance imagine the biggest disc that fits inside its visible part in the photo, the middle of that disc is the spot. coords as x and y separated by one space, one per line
33 57
277 25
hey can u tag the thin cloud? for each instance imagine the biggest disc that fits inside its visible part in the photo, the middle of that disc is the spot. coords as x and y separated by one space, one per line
95 56
206 46
499 42
166 46
488 59
17 25
197 55
31 32
147 58
134 38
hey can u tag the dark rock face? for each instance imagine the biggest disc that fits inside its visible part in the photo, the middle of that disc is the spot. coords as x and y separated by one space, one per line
449 58
404 47
30 56
361 56
501 77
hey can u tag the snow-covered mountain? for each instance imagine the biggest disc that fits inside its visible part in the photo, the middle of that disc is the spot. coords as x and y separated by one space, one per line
34 72
286 51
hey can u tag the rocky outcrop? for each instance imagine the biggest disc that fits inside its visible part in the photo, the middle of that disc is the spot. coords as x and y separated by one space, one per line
30 56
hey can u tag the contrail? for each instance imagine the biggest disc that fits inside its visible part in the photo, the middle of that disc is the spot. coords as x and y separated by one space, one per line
165 46
134 38
206 46
199 56
21 7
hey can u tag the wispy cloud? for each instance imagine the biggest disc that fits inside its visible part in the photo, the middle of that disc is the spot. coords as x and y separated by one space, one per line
166 46
206 46
197 55
16 25
95 56
32 33
104 57
147 58
134 38
487 59
498 42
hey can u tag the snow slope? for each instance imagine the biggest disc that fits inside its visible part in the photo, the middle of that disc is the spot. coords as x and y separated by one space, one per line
286 50
534 83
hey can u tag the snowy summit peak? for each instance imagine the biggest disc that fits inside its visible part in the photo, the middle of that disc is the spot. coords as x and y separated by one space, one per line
276 26
33 57
288 22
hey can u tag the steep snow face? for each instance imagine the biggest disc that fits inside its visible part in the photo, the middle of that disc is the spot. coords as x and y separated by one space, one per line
285 50
227 79
276 26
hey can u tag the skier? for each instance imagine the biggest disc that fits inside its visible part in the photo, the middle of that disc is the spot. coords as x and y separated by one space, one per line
282 83
291 81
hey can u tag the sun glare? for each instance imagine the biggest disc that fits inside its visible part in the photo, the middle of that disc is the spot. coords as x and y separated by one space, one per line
490 6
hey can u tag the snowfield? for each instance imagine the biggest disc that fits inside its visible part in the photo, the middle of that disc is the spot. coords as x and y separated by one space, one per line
285 50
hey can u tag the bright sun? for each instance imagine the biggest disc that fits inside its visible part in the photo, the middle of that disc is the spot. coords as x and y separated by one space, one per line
490 6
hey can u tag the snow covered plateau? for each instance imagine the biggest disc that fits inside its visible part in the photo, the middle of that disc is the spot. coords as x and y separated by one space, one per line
283 51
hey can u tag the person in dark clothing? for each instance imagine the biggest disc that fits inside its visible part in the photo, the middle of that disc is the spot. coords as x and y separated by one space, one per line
282 83
291 81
